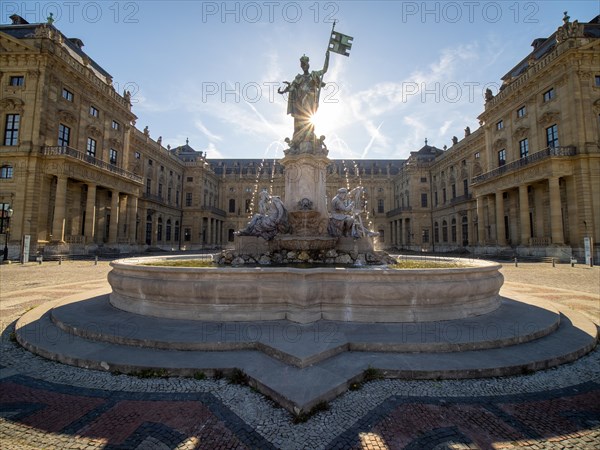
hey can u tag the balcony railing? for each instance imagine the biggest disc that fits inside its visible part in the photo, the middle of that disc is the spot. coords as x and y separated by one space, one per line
214 210
547 153
461 199
395 212
153 197
81 156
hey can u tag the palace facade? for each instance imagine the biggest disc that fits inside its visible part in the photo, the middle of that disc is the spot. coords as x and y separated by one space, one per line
77 176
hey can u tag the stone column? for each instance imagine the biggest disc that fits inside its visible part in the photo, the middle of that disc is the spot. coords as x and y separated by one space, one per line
90 214
524 214
556 223
113 228
305 176
60 209
132 202
500 231
480 221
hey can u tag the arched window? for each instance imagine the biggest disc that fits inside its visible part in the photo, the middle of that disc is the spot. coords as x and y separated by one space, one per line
436 232
148 229
444 231
453 230
168 236
159 229
176 236
465 231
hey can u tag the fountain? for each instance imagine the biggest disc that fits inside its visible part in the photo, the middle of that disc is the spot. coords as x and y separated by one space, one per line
303 335
300 229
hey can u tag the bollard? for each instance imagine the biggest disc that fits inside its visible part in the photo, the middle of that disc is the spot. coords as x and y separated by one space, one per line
96 260
516 263
59 260
553 262
40 259
573 261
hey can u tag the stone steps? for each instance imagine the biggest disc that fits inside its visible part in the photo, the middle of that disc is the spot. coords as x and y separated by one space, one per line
302 365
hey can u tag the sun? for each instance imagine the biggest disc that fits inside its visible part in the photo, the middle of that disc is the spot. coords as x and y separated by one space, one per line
325 120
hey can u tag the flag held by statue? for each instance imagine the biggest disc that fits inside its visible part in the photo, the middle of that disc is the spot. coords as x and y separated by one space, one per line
340 43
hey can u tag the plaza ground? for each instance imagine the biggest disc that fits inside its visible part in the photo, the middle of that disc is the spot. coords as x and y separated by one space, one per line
49 405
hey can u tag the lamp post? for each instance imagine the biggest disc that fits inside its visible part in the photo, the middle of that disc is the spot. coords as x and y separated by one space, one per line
8 214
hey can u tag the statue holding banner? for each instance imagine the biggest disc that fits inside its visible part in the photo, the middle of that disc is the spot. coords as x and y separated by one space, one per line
303 98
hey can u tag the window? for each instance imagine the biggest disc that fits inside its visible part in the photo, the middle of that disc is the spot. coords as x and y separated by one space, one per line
168 236
170 173
453 190
499 125
11 129
187 234
552 136
425 236
137 155
176 237
477 155
453 230
4 217
380 206
188 199
67 95
64 134
177 198
465 231
436 232
444 198
424 200
149 230
113 156
115 125
232 205
18 80
160 189
162 168
521 111
6 172
444 231
549 94
523 148
150 162
466 187
159 230
90 148
502 157
435 198
189 179
94 111
169 194
423 179
597 78
148 186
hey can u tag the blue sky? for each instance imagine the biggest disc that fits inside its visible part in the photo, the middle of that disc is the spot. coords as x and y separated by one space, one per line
208 71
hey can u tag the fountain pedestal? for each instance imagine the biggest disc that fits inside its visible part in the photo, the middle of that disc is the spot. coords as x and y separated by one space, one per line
305 177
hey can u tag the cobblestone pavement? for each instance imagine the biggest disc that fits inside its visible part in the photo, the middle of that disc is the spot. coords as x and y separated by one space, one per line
45 405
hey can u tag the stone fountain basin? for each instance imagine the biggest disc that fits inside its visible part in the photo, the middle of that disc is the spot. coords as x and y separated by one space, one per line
369 294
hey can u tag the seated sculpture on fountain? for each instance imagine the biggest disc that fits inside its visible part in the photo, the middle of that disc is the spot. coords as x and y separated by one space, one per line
273 220
345 215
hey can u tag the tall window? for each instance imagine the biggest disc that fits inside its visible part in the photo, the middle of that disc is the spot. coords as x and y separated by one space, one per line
502 157
444 198
435 198
465 231
549 94
176 198
159 229
90 148
148 186
453 190
499 125
436 232
67 95
18 80
160 189
64 135
232 205
521 111
425 236
188 199
4 219
523 148
115 125
552 136
466 187
453 230
6 172
597 80
113 156
187 234
94 111
380 206
424 200
169 189
11 129
176 236
168 236
444 231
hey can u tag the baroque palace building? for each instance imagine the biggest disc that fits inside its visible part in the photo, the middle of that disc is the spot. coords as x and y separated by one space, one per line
79 177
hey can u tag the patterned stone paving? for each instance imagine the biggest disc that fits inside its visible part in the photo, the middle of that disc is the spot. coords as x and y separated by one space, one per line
45 405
